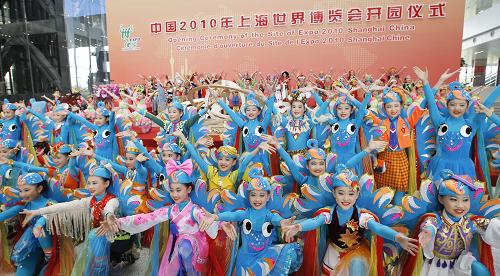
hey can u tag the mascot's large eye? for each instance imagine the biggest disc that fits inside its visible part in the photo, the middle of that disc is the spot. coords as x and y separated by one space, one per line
442 129
465 131
12 127
259 131
351 128
1 125
245 131
161 177
106 133
335 127
267 229
8 174
247 226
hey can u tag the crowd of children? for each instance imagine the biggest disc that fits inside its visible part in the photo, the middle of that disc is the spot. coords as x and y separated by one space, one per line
313 175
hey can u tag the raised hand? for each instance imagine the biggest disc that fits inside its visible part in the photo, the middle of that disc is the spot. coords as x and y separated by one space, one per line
264 146
29 215
480 108
375 145
141 158
423 75
38 232
289 231
425 237
447 75
408 244
206 141
229 229
271 140
208 219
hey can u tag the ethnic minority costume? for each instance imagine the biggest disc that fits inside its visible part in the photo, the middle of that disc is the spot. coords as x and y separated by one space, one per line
296 130
76 218
168 127
45 255
449 250
348 252
68 176
397 131
187 247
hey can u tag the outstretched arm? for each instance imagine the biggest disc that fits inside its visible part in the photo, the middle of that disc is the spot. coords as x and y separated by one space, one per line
150 163
234 116
294 169
141 222
268 113
119 168
360 114
82 120
11 212
29 167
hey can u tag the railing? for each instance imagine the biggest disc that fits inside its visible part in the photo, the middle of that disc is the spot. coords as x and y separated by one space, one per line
491 79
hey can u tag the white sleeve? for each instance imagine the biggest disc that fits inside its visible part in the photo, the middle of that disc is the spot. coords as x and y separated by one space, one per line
364 218
111 207
428 249
62 207
492 233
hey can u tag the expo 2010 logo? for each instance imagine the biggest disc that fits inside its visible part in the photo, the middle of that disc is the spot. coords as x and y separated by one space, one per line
130 43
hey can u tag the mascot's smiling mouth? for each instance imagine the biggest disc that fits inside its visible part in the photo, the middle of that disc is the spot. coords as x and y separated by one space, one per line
345 143
258 248
455 148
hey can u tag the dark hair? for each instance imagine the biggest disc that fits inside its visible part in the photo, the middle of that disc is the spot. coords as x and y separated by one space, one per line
106 179
45 186
43 144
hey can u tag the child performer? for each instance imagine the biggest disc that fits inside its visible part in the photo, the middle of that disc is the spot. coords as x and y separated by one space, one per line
446 236
398 129
187 248
253 125
10 124
76 217
65 170
455 131
35 253
224 176
257 255
348 252
104 129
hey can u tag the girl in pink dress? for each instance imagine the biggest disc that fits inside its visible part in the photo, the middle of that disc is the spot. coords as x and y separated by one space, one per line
187 247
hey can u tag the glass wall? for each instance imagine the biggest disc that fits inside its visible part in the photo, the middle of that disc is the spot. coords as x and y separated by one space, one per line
49 45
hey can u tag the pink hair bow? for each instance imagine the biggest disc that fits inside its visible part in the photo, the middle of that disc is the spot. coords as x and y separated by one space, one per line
186 166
